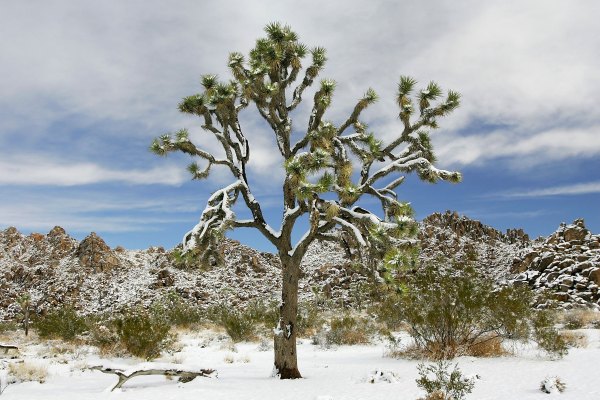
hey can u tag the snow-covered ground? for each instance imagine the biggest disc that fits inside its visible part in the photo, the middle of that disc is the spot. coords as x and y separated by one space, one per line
334 374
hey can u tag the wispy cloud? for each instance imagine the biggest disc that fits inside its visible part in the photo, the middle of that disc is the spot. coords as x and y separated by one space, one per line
28 169
87 211
566 190
522 149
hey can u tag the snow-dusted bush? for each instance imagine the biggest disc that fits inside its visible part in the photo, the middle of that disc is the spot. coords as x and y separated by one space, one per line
349 329
574 339
581 318
379 375
309 320
547 336
239 324
442 384
454 309
27 372
62 323
176 310
142 333
103 335
552 384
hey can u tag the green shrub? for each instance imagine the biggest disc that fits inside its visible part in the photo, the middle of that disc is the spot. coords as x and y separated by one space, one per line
309 319
440 384
239 325
265 313
102 333
176 310
62 323
453 309
349 330
142 333
547 336
8 326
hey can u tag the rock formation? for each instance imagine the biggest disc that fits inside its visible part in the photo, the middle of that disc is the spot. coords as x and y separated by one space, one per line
566 264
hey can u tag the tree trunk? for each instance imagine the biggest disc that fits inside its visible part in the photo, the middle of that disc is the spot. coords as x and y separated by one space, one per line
286 360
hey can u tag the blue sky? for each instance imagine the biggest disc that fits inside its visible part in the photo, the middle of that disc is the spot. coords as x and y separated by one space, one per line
85 86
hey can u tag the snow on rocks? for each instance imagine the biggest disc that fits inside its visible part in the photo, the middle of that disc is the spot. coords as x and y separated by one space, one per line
379 376
567 263
552 385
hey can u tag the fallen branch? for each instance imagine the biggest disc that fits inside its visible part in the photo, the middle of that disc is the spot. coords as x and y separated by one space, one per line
8 347
185 374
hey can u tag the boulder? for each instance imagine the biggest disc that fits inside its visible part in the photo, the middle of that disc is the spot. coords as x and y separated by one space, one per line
94 254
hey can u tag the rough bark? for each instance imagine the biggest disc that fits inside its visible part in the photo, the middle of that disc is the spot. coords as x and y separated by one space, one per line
286 361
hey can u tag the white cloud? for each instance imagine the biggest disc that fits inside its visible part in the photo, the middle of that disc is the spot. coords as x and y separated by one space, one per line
566 190
522 149
28 169
86 211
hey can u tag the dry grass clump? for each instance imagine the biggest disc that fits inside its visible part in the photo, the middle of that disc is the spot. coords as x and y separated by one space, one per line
27 372
575 339
488 347
408 352
581 318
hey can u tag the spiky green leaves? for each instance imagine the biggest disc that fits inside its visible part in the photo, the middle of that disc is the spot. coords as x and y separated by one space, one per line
194 104
302 166
425 98
162 145
197 172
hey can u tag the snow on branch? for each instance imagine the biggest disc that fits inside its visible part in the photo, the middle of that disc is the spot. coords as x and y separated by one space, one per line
124 373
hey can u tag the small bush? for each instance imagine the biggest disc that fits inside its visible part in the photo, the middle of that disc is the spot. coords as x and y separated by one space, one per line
553 385
440 384
8 326
546 335
265 313
102 333
63 323
456 310
177 311
27 372
348 330
239 325
574 339
487 347
577 319
309 319
142 333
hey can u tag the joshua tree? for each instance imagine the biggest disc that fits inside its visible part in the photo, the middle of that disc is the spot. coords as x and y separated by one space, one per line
24 302
329 167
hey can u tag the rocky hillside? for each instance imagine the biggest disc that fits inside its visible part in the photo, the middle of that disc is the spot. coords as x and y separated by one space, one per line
457 237
567 264
56 269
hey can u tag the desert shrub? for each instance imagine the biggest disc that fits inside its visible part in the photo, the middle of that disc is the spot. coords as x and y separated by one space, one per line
349 330
552 385
451 309
546 335
441 384
176 310
574 339
143 333
387 311
309 319
8 326
487 347
27 372
263 312
102 333
581 318
62 323
239 325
